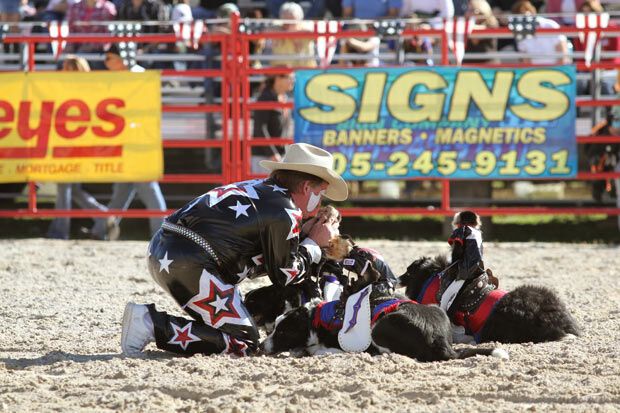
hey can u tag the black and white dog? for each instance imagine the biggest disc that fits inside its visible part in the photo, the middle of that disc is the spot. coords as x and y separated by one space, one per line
526 314
398 325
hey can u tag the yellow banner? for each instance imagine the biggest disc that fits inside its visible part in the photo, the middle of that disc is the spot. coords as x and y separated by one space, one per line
80 127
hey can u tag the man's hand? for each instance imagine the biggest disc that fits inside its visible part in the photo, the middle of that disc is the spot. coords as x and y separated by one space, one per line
321 232
307 227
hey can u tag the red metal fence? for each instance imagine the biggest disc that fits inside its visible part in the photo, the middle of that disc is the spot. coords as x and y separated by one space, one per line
236 107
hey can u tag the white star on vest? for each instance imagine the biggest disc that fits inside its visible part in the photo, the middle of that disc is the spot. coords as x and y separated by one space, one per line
295 216
219 303
276 188
240 209
243 274
164 263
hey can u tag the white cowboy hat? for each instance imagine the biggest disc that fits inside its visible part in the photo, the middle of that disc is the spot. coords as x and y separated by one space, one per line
315 161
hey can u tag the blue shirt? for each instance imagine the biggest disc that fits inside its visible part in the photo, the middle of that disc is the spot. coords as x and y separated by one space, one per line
371 9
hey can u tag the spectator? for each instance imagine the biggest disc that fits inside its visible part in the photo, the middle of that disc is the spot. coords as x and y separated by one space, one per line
376 9
366 47
93 11
123 193
420 45
66 192
57 9
563 6
272 123
299 52
9 13
427 9
542 49
142 10
484 18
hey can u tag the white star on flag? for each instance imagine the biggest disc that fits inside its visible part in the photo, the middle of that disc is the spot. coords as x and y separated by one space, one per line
243 274
219 303
276 188
240 209
164 263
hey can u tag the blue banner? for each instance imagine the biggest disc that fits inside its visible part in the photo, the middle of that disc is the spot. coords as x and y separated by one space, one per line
446 122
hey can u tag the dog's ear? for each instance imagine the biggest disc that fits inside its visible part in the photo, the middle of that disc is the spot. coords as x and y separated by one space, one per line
338 248
492 279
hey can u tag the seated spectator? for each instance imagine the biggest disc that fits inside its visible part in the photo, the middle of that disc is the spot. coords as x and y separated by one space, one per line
57 9
89 11
272 123
366 47
365 9
563 6
428 8
299 52
141 11
542 48
481 11
420 45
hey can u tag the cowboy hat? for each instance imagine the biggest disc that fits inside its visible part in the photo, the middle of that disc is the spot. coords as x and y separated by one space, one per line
315 161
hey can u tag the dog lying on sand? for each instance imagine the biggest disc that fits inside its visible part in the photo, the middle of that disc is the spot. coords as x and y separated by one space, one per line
396 325
526 314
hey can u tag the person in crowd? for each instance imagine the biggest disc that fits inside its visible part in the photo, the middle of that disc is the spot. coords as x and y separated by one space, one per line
481 11
366 47
89 11
566 7
541 48
419 45
364 9
272 123
295 52
66 192
124 192
233 232
141 11
57 9
427 9
9 13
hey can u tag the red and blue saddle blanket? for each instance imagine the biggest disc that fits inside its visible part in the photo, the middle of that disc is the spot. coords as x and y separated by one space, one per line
329 315
474 321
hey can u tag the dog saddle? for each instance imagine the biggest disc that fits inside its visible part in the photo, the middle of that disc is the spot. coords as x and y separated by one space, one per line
355 334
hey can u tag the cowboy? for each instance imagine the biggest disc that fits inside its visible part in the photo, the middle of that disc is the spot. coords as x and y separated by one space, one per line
233 232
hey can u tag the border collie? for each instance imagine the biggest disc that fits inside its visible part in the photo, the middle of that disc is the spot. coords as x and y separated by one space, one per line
527 314
398 325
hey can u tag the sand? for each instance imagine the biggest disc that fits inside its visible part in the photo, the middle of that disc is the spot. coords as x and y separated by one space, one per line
59 348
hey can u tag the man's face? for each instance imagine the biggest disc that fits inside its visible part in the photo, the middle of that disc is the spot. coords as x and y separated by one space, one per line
309 198
114 62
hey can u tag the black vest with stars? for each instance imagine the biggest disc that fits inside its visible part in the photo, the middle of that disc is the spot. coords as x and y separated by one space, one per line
254 228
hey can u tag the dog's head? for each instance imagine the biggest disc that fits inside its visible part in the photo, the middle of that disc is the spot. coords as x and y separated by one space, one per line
265 304
419 271
292 330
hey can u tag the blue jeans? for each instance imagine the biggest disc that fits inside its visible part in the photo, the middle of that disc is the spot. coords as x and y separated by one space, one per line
122 195
59 228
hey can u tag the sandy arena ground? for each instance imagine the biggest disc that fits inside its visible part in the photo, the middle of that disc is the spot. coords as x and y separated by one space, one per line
59 348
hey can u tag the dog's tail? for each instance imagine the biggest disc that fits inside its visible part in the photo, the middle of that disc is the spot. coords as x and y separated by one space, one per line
493 352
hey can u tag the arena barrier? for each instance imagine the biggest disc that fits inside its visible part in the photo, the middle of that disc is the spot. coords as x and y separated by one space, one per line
236 106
